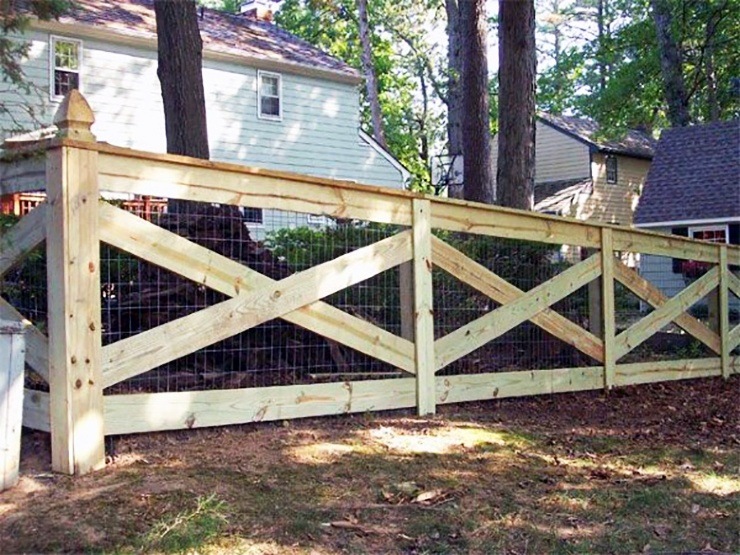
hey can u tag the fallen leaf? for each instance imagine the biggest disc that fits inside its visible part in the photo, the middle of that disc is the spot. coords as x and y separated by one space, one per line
427 496
661 530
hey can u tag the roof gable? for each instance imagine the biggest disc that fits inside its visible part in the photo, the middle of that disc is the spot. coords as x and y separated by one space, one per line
695 175
633 143
240 36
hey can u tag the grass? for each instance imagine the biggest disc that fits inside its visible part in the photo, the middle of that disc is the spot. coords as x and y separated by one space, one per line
522 477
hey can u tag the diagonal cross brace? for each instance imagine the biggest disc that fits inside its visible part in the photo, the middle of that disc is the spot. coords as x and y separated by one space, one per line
639 332
481 278
466 339
256 298
22 238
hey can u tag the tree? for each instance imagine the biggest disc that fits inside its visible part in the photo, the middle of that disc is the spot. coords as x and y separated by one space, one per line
517 75
476 134
368 69
179 55
14 19
671 68
454 88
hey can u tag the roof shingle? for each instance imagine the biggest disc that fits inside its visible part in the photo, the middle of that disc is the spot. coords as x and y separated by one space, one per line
695 175
633 143
237 35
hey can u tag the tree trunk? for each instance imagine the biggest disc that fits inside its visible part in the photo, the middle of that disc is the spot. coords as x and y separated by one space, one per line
477 172
674 88
454 90
516 108
180 48
371 82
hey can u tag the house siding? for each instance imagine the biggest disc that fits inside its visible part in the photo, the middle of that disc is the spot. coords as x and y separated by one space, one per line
318 134
615 202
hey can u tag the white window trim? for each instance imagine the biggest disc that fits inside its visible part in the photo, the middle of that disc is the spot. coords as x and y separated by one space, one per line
725 228
53 39
279 76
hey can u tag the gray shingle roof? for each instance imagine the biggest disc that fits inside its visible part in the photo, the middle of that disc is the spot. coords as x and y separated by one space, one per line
695 175
559 196
633 143
239 35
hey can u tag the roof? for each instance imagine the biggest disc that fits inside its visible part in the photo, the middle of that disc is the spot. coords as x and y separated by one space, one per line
557 197
237 35
695 175
633 143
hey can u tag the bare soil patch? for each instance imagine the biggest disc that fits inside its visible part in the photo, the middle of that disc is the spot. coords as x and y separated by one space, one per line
651 469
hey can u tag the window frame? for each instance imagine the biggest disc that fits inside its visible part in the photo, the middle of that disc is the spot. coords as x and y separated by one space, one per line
253 222
610 158
279 77
53 40
717 227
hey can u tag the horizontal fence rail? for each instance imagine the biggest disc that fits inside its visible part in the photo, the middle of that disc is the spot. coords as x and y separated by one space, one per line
416 301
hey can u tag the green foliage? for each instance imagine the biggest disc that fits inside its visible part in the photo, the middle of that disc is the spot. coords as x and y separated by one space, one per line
15 16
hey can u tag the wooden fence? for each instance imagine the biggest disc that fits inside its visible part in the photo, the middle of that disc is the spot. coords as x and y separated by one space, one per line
72 169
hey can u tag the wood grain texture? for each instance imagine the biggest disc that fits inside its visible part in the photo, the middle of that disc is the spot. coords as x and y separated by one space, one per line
655 298
481 278
608 306
36 410
22 238
636 334
149 412
477 333
134 355
724 311
175 253
628 240
423 308
73 277
240 186
12 348
667 370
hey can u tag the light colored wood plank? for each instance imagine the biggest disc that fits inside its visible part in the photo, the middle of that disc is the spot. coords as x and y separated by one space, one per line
655 298
423 308
406 294
134 355
467 338
73 275
608 310
137 413
23 175
37 345
664 245
242 186
170 251
12 347
481 278
652 323
515 224
667 370
36 410
724 310
498 385
733 283
22 238
733 338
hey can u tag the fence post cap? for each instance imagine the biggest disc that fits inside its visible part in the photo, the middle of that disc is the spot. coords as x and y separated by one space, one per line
74 118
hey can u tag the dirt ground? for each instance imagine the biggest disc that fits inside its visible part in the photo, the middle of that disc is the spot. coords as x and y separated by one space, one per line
650 469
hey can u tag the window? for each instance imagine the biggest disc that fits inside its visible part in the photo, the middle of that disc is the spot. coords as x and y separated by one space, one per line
252 215
611 169
66 64
713 233
269 96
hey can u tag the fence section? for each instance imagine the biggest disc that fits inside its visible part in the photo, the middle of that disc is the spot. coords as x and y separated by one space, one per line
348 298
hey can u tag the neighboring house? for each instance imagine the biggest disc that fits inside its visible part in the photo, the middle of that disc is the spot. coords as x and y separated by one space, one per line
692 190
273 100
580 175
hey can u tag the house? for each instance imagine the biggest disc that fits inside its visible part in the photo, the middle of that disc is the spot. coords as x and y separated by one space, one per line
693 190
581 175
272 100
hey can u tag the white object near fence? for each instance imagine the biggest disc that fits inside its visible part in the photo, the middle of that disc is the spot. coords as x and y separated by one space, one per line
12 355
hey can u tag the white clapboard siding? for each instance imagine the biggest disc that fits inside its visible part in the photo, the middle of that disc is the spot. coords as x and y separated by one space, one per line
318 134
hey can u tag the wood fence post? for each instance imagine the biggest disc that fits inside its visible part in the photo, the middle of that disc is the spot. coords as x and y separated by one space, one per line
73 278
608 311
426 395
724 310
406 292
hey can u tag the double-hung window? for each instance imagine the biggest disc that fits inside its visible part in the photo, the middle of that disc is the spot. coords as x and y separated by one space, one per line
66 65
611 169
711 233
269 96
